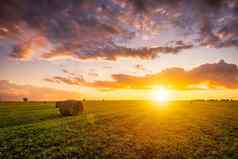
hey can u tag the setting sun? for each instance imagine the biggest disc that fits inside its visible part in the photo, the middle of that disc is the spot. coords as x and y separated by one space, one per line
86 78
161 95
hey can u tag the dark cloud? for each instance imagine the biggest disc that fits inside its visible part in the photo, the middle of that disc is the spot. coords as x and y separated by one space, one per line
215 75
146 6
89 29
114 52
222 74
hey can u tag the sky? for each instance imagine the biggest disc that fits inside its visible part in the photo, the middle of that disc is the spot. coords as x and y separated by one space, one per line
118 49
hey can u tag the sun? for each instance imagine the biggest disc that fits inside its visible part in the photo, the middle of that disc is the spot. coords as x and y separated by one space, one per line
161 95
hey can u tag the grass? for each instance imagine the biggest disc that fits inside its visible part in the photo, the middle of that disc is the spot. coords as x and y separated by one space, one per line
120 129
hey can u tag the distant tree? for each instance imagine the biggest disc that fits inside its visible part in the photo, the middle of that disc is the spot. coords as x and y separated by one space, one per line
225 100
25 99
212 100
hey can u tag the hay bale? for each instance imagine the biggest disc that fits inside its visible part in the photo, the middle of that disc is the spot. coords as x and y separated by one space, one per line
70 107
25 99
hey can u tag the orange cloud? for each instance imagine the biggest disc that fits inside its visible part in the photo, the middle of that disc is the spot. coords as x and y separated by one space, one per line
57 54
206 76
26 48
10 91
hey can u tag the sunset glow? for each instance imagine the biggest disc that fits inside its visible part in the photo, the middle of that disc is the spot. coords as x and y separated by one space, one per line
161 95
101 48
118 79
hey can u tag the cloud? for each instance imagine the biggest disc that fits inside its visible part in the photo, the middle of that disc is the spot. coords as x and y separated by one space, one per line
113 52
11 91
221 73
68 72
105 29
57 54
216 75
26 49
225 36
93 73
140 67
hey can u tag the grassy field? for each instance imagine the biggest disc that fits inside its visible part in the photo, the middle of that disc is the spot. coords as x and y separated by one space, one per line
120 129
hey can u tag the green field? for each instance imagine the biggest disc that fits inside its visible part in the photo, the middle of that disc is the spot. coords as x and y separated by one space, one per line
120 129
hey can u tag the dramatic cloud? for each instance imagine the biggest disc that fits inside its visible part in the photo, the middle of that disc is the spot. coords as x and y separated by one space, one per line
217 75
113 52
10 91
111 29
26 49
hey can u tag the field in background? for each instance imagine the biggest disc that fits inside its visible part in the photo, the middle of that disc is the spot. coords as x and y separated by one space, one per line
120 129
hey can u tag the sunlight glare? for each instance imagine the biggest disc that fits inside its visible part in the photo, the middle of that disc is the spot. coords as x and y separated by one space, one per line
161 95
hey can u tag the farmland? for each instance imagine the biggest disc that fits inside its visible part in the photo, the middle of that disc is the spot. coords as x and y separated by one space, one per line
120 129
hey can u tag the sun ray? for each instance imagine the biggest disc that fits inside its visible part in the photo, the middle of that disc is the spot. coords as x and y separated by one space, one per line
161 94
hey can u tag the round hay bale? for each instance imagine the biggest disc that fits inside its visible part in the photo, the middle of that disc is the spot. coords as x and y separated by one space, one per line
70 107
